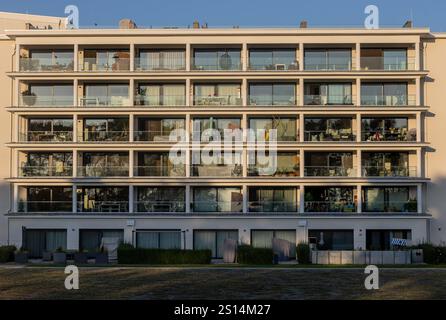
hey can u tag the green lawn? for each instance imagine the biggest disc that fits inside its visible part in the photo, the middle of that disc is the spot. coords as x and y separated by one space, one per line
221 283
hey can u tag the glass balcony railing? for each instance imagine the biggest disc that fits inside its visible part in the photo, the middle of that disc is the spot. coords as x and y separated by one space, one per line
164 206
217 206
399 134
160 65
160 171
157 101
280 136
328 66
329 135
330 206
323 100
46 136
387 64
377 206
215 65
102 206
329 171
393 171
46 65
103 171
99 101
200 170
267 206
156 136
46 171
98 65
45 206
45 101
220 100
276 100
388 100
104 136
261 65
282 171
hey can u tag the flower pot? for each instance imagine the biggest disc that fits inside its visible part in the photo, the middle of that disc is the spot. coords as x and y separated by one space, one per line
21 257
60 257
29 100
101 258
80 258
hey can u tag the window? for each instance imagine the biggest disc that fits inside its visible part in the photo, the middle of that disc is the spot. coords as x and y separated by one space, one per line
160 199
44 60
331 239
328 59
384 94
272 94
285 164
106 60
328 129
51 199
264 239
384 59
213 240
267 199
286 128
382 239
106 94
389 199
42 94
158 129
161 95
38 241
217 199
47 164
387 129
50 130
329 164
218 94
168 59
330 199
91 240
99 164
103 199
328 94
272 59
158 164
385 164
217 59
158 239
115 129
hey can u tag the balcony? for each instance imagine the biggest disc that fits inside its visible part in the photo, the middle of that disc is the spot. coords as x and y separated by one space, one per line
273 59
329 135
328 59
269 100
389 171
46 171
397 135
44 206
329 171
101 206
94 171
216 60
28 99
162 206
281 171
156 136
160 171
330 206
104 136
324 100
217 206
159 101
217 100
380 206
200 170
101 101
388 100
386 64
117 64
46 64
46 136
269 206
156 64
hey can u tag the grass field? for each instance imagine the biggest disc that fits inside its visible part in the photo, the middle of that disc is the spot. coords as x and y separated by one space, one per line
221 283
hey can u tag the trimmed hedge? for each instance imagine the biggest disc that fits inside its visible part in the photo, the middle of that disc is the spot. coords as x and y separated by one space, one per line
433 254
249 255
130 255
7 253
303 253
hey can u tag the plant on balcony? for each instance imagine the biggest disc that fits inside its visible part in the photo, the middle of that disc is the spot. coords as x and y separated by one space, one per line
303 253
21 255
7 253
60 256
140 96
29 98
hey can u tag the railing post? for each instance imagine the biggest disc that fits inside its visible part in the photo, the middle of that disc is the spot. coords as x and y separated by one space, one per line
131 163
359 197
76 57
187 199
245 198
358 57
131 198
245 56
420 198
74 198
301 56
132 57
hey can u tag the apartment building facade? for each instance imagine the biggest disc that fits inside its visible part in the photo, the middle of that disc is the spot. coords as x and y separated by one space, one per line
89 116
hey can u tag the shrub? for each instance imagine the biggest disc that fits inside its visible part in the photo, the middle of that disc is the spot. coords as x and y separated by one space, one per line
7 253
433 254
129 255
303 253
249 255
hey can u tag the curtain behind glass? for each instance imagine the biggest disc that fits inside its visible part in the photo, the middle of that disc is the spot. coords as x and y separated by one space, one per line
262 238
205 240
56 239
221 237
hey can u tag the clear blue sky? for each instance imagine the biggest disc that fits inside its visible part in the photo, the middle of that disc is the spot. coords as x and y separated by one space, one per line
245 13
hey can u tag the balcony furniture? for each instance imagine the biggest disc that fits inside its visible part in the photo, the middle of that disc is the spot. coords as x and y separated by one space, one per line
280 67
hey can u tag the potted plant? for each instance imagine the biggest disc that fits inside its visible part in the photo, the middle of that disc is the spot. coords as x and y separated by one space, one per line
81 257
60 256
101 256
21 256
29 98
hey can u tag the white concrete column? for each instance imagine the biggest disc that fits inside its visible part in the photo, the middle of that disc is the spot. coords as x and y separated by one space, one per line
131 163
188 198
15 198
189 235
131 198
75 93
73 237
245 163
244 126
75 164
15 101
302 163
359 238
245 56
129 232
132 57
16 130
420 204
301 56
359 198
17 58
417 91
188 57
301 127
75 128
188 93
358 92
74 198
132 92
417 55
358 127
301 199
131 127
245 198
419 162
358 57
419 127
358 163
76 57
244 92
244 236
301 92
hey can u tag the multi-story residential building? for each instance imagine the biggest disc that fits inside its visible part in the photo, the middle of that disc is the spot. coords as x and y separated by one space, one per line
87 115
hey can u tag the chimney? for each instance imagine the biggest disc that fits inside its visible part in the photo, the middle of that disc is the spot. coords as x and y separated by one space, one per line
196 25
408 24
303 24
127 24
204 26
